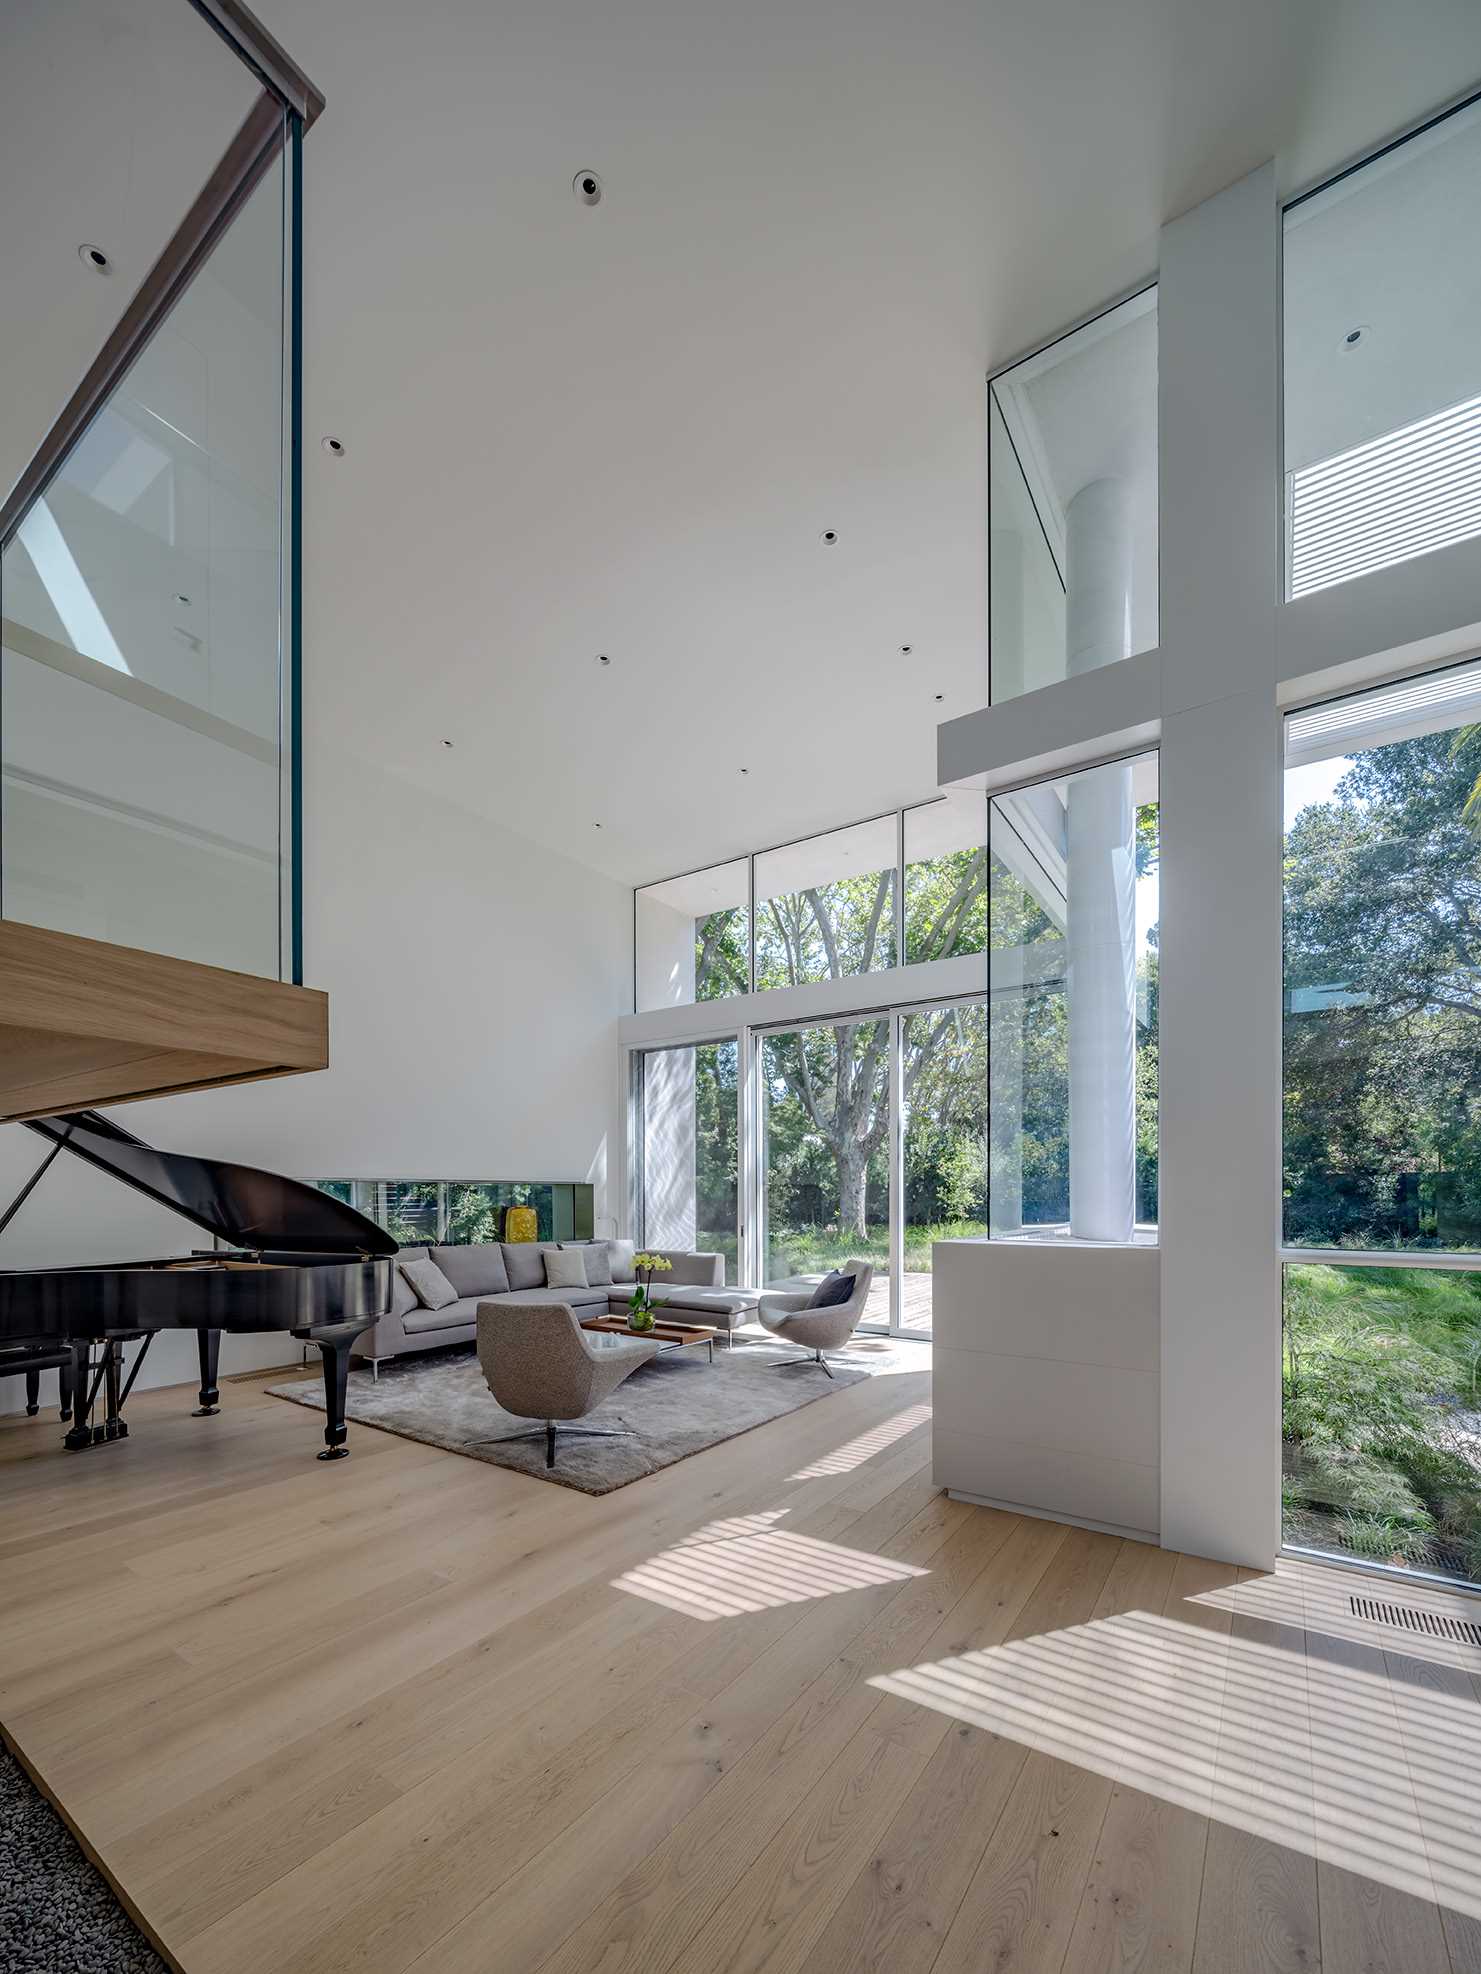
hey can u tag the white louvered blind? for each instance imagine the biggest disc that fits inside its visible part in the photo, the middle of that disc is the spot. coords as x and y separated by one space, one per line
1380 503
1433 703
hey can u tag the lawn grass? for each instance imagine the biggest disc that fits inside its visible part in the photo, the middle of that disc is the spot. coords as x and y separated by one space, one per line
802 1250
1382 1387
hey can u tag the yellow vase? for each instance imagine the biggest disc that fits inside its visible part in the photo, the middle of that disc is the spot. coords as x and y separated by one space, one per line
521 1223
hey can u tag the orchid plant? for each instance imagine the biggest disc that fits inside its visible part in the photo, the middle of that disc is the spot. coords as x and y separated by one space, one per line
641 1312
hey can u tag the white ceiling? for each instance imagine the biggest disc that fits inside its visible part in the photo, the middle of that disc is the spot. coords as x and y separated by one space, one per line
572 431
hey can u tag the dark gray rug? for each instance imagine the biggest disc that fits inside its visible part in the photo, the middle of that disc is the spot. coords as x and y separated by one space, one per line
57 1914
674 1406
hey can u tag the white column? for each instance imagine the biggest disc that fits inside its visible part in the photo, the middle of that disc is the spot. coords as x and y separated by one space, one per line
1101 862
1219 370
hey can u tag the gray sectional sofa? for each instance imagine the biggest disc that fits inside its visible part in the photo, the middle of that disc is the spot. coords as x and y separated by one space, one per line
512 1272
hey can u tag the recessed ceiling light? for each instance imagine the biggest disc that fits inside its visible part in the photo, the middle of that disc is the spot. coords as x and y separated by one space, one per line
181 597
939 697
95 258
828 537
447 743
745 771
906 649
588 189
596 825
603 659
333 445
1359 333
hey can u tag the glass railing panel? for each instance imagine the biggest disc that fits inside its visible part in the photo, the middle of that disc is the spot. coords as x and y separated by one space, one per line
144 604
112 118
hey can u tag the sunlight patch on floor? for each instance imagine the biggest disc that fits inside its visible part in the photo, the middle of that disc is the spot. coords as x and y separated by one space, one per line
715 1574
854 1452
1298 1745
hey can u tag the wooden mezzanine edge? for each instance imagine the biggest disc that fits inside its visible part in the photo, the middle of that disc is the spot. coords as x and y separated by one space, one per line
83 1022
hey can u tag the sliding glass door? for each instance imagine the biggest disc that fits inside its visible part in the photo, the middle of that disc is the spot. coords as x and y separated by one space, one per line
687 1141
825 1155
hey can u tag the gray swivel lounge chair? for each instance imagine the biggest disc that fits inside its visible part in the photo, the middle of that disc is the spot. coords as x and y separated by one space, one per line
785 1313
540 1364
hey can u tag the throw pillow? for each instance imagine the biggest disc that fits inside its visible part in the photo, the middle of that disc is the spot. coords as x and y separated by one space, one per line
832 1290
433 1289
622 1253
564 1268
598 1264
524 1263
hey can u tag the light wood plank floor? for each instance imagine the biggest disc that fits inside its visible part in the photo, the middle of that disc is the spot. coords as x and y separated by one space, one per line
782 1706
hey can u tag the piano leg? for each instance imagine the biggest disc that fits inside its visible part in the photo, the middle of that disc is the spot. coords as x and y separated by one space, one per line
208 1342
336 1354
64 1389
33 1393
80 1433
113 1425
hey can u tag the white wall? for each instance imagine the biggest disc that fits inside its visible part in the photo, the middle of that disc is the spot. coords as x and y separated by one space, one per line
474 983
1046 1385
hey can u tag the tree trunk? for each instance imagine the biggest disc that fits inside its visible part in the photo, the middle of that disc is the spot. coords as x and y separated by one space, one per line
853 1178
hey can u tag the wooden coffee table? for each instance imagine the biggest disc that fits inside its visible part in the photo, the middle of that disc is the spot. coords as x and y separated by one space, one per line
668 1336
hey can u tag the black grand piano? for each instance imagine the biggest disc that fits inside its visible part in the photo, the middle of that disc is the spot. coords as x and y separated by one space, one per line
294 1259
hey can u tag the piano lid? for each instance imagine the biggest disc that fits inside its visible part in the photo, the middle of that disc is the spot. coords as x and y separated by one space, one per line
240 1204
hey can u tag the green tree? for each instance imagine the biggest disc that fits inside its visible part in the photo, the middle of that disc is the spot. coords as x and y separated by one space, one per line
1383 976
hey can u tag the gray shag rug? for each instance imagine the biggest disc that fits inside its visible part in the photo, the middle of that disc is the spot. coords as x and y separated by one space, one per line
57 1914
677 1404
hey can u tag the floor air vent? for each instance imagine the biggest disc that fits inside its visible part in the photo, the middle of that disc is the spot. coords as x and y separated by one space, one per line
1404 1617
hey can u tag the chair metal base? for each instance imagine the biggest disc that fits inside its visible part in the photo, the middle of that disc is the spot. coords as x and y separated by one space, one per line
547 1433
801 1363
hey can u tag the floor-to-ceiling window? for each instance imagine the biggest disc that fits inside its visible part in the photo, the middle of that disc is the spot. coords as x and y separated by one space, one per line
1382 1161
825 1136
687 1128
944 1151
1071 1049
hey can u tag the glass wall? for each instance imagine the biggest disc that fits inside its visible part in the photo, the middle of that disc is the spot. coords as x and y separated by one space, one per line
1381 1451
1072 1042
1072 503
830 907
693 937
687 1127
943 1094
946 877
1382 365
147 779
825 907
825 1123
1383 1124
1383 968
